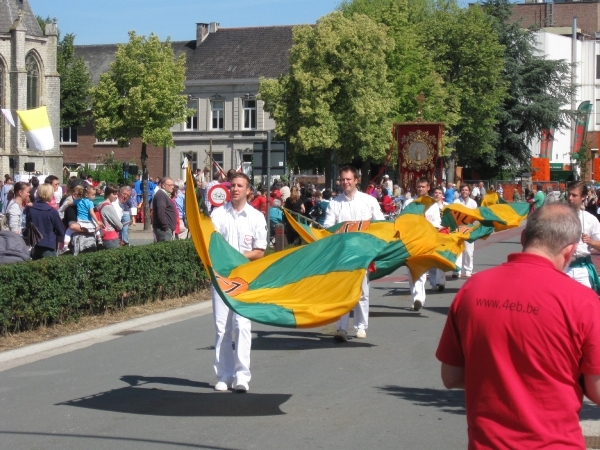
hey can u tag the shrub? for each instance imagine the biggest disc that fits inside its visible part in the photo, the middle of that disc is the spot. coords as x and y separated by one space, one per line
57 289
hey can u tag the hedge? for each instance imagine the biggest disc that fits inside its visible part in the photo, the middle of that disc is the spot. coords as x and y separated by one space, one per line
53 290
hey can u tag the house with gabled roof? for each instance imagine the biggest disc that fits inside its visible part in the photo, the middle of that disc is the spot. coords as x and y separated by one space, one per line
224 67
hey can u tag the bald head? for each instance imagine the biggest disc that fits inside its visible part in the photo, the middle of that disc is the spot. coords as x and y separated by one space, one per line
551 229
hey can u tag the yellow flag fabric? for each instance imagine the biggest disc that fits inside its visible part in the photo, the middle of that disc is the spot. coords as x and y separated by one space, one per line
302 287
37 128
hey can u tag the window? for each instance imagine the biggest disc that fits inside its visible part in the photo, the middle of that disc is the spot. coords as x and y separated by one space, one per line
192 160
217 111
33 82
192 121
249 114
68 135
107 141
597 67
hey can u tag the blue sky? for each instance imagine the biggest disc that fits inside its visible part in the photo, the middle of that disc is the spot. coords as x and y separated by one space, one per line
108 21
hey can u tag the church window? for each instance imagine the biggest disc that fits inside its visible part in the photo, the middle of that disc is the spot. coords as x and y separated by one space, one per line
33 82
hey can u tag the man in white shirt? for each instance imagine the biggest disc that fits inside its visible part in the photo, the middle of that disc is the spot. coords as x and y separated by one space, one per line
245 229
465 259
581 268
437 277
353 206
417 287
387 183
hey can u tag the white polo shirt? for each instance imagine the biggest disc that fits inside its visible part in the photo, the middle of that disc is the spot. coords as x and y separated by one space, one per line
361 207
434 214
244 230
470 203
589 226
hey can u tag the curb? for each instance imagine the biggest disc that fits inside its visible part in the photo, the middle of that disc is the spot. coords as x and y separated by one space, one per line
42 350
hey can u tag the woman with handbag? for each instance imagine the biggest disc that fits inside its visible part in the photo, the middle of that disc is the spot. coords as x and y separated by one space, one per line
44 219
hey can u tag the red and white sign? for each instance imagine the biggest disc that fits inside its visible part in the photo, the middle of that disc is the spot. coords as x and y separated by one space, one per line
218 195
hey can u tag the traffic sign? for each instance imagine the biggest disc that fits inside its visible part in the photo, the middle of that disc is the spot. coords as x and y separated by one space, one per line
218 195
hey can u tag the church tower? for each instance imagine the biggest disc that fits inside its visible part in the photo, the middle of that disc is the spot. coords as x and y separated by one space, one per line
28 79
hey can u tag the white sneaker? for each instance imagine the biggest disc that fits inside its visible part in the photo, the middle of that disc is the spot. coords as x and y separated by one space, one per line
241 386
221 386
340 336
361 333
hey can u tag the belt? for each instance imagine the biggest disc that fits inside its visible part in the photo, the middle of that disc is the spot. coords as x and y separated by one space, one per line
585 262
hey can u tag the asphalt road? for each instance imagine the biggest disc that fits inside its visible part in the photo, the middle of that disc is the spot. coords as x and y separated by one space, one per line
153 389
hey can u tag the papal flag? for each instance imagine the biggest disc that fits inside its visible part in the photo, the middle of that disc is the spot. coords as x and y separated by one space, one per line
37 128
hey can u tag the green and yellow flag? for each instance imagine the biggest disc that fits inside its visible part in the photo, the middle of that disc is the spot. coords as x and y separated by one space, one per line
417 245
302 287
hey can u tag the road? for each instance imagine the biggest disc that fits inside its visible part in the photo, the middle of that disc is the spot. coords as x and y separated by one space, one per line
153 389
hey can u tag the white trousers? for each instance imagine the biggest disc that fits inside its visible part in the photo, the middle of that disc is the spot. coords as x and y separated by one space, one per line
361 310
436 276
465 259
231 364
580 274
417 287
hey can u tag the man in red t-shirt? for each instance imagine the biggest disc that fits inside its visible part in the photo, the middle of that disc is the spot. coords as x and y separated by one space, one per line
519 337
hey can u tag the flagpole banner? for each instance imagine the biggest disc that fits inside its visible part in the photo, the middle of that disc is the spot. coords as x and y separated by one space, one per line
584 110
8 116
419 146
37 128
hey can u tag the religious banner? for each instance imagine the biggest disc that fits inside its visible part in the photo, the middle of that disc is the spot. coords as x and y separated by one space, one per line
419 145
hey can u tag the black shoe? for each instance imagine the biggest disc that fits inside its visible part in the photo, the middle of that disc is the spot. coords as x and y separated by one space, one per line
441 287
417 305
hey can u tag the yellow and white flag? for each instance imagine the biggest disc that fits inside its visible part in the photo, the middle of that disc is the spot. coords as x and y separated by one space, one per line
37 128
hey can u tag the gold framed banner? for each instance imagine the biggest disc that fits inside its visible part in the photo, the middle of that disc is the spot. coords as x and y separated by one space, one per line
419 146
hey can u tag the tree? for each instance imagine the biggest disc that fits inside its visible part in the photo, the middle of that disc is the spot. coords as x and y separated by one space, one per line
141 96
450 54
335 101
75 81
470 60
538 90
411 69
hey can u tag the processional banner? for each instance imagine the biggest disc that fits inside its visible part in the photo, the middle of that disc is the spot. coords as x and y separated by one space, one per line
419 146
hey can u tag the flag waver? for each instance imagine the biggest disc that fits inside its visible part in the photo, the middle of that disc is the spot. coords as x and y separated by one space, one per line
37 128
301 287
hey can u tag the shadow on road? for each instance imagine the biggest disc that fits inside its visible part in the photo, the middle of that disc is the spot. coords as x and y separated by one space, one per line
301 340
115 439
452 402
155 401
290 340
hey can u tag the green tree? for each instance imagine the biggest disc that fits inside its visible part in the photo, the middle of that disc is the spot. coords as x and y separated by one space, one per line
335 101
411 69
538 89
141 96
469 58
75 81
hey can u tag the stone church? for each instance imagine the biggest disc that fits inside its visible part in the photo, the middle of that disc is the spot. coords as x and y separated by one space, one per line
28 79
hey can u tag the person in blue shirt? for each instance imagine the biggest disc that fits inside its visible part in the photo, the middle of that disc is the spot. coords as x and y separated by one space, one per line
449 194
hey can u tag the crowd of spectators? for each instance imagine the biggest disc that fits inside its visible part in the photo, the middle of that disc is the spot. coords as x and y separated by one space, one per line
82 216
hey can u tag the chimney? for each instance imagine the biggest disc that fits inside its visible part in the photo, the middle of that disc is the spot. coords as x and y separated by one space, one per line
214 26
201 32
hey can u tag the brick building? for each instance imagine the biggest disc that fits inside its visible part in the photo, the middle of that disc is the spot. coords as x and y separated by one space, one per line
558 15
28 79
